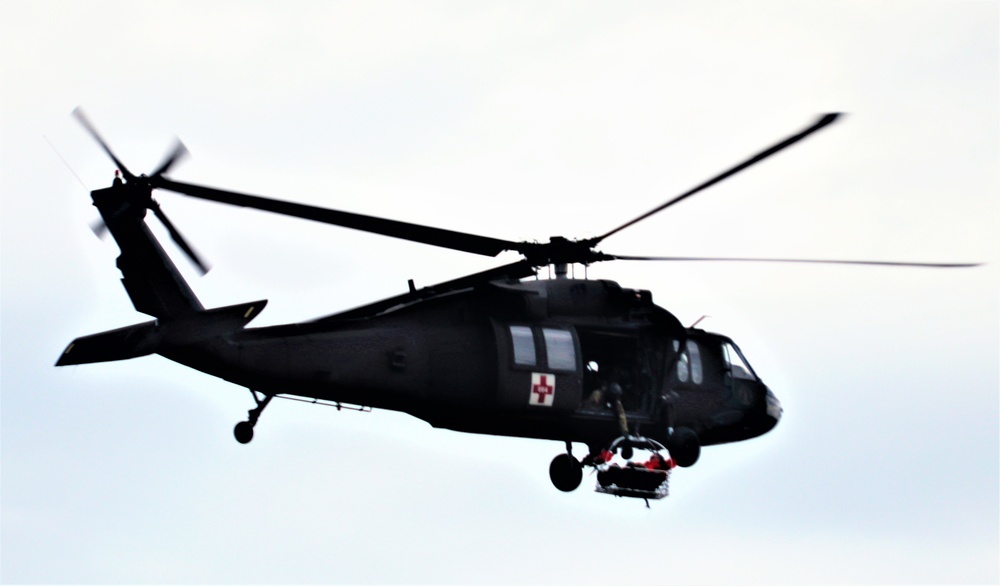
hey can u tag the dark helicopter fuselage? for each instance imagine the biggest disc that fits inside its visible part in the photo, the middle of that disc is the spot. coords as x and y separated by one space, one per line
528 359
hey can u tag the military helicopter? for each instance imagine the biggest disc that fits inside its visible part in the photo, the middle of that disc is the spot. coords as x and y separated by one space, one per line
495 352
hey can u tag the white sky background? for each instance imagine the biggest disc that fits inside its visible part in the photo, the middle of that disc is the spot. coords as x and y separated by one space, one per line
520 121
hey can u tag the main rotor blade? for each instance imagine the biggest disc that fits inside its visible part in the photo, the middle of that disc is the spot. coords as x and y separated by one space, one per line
82 119
826 120
176 235
414 232
799 260
179 152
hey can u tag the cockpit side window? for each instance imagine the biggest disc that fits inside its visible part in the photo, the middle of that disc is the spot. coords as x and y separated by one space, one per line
694 353
524 345
560 349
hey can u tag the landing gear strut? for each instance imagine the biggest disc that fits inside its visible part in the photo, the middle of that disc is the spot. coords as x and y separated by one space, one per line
244 429
565 471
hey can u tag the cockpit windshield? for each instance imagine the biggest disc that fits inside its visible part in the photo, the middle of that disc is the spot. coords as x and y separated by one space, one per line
737 363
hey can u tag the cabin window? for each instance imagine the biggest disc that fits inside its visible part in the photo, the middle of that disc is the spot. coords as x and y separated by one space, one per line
560 349
689 363
524 345
695 354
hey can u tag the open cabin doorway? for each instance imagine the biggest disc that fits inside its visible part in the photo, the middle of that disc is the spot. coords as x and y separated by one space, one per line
620 364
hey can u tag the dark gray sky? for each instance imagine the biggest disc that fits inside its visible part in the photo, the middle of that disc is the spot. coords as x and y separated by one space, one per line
521 121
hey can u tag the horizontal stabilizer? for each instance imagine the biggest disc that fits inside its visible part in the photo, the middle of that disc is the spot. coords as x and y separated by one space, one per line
120 344
150 337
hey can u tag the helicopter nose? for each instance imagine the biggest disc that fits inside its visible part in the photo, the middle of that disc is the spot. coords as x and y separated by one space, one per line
774 409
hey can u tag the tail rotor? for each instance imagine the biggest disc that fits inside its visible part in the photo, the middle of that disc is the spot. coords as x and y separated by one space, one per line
142 186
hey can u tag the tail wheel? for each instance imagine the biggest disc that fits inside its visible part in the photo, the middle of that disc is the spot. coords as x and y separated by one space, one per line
566 472
243 432
244 429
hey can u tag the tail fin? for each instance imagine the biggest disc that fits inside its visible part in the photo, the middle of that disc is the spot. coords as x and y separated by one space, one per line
157 335
151 279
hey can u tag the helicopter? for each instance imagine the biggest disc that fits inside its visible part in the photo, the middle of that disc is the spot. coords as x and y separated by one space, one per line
499 352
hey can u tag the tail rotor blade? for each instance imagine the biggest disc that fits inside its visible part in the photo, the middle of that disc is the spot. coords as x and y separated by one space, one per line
179 153
178 238
82 119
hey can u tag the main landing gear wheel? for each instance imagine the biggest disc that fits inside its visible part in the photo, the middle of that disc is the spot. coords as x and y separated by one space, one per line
684 446
566 472
243 432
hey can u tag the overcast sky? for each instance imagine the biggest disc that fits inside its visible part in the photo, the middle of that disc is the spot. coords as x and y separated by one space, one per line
519 120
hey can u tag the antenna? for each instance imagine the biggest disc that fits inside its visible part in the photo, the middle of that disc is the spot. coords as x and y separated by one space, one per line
56 151
698 321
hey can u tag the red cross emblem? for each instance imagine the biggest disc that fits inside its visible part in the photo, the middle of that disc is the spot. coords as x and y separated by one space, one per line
543 389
